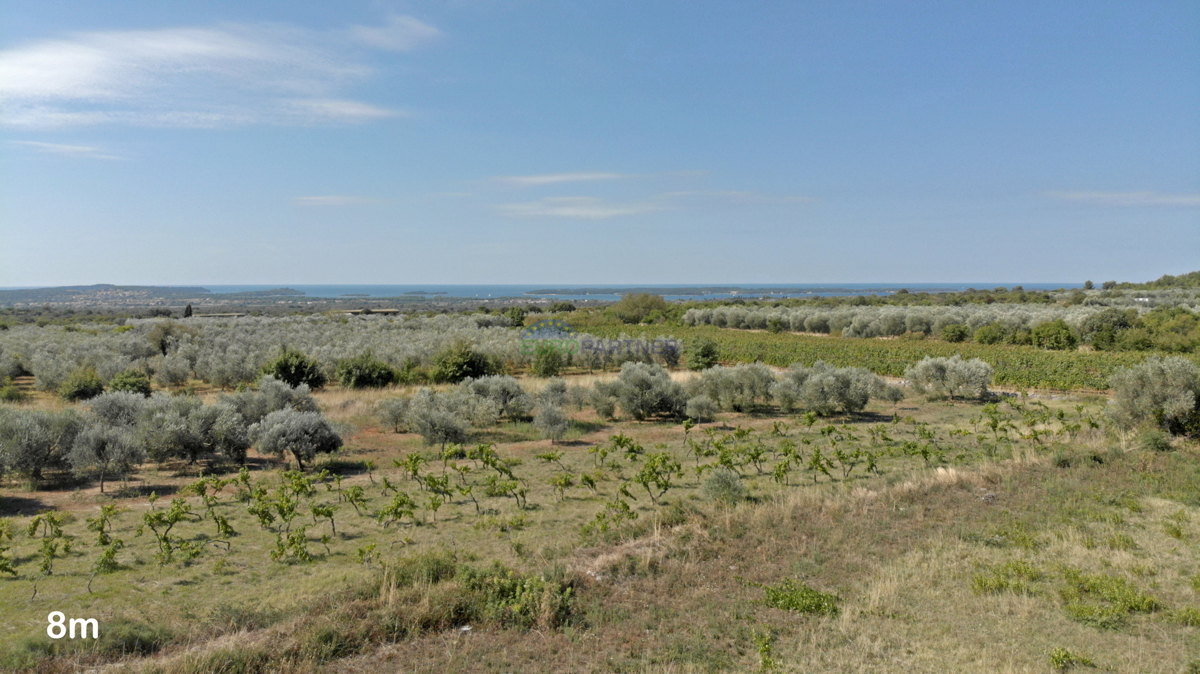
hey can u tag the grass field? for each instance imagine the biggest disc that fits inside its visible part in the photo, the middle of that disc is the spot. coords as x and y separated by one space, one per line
977 543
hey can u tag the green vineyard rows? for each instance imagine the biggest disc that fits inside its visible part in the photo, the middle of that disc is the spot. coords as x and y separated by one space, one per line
1022 367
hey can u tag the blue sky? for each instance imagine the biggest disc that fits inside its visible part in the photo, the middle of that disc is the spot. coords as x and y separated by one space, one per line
493 141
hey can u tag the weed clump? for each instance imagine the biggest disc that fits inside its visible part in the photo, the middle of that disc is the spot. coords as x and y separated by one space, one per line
796 596
1016 577
1062 660
726 487
1102 600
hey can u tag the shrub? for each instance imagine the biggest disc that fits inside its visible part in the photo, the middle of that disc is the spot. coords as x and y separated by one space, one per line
701 409
548 361
992 333
703 355
9 393
1160 391
561 307
950 377
955 332
1155 441
393 412
461 361
130 637
552 422
294 368
1054 335
303 434
365 371
603 399
131 381
83 384
726 486
646 390
636 307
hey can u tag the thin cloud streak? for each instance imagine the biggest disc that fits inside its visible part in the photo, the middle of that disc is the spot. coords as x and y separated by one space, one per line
739 196
196 77
555 178
1128 198
402 33
579 208
80 151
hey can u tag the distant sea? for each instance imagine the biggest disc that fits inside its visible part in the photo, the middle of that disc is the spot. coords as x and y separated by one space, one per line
606 292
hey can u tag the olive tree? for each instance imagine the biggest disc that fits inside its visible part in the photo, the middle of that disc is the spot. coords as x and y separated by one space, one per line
35 441
1161 391
701 409
506 392
442 418
184 427
552 422
117 408
739 388
393 412
825 389
272 395
302 434
950 377
646 390
105 448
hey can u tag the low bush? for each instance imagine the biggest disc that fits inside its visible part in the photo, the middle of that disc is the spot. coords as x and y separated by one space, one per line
726 486
294 368
131 381
365 371
83 384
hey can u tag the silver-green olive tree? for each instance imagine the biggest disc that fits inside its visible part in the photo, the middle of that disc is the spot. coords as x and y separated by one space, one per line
1161 391
301 434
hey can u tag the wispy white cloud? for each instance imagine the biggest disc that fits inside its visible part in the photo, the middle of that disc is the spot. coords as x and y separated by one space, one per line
555 178
583 208
1128 198
80 151
402 33
739 197
195 77
334 200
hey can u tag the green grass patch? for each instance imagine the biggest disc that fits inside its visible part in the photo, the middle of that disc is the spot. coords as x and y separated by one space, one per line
798 597
1016 577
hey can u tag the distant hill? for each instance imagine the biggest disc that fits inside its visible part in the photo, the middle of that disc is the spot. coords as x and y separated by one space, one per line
101 293
1190 280
104 294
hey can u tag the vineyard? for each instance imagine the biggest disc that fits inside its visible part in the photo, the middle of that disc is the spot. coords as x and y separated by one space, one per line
198 540
1018 367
